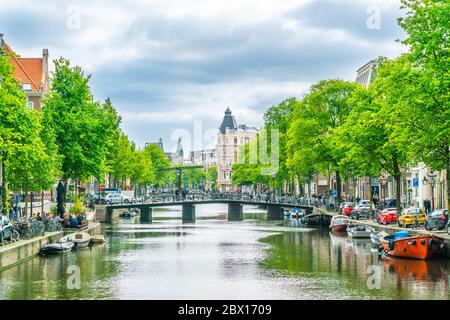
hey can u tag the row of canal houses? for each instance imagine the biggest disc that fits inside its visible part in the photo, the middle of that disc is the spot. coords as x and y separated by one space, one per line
418 183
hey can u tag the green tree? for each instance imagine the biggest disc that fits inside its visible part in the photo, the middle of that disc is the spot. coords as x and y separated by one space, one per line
159 162
212 177
121 160
142 170
367 136
423 78
322 111
83 128
19 129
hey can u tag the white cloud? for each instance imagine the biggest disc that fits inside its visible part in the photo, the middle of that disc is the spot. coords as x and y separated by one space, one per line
167 63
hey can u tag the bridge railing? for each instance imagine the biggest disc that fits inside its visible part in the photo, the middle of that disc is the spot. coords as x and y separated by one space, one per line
262 198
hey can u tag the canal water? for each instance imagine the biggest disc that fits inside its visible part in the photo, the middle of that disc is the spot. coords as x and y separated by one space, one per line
217 259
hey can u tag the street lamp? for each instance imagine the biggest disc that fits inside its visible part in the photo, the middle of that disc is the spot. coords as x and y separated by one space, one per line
383 181
432 180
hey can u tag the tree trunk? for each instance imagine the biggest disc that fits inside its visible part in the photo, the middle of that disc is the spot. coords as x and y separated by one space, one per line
5 203
42 202
26 204
397 177
447 173
338 187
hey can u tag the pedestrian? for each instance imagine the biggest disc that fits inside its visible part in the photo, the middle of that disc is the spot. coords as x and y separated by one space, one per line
427 206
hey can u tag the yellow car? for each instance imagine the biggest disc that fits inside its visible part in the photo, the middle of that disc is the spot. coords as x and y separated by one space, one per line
409 216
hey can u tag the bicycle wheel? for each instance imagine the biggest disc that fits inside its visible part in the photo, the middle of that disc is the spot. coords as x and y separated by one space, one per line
14 235
26 233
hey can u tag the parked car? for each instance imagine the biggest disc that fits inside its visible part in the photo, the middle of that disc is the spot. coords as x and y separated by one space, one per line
7 231
411 216
362 210
388 203
388 215
118 198
347 208
437 219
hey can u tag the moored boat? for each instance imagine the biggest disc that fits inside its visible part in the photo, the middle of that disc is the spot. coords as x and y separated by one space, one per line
98 239
422 246
376 236
339 223
57 248
296 213
128 214
359 231
80 239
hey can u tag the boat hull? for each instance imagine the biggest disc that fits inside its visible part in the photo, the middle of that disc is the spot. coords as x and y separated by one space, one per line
422 247
56 248
82 244
359 234
80 239
339 227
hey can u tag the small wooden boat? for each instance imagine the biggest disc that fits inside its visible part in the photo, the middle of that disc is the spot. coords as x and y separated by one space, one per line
128 214
422 246
359 232
376 236
98 239
80 239
339 223
57 248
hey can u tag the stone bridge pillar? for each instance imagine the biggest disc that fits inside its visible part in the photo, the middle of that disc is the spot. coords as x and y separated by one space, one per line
188 212
146 214
235 212
274 212
112 216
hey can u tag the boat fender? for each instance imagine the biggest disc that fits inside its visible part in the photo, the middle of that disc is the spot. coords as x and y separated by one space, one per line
443 250
431 243
391 244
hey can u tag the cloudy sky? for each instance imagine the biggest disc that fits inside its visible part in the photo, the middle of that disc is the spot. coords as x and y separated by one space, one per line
167 64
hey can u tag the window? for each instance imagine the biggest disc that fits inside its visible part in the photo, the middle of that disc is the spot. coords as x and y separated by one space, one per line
26 86
30 105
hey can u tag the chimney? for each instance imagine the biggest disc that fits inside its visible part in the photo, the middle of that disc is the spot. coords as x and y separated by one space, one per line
45 79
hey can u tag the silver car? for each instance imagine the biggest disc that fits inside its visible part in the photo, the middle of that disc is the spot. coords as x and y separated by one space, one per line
118 198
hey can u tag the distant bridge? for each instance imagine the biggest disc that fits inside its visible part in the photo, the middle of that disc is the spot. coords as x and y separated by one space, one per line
275 210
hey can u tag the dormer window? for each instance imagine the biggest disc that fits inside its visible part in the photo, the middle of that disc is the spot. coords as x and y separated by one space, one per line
26 86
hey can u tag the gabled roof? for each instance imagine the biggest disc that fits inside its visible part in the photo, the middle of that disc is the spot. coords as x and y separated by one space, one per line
26 70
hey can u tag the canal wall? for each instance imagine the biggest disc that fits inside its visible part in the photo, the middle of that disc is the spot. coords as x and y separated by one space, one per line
22 250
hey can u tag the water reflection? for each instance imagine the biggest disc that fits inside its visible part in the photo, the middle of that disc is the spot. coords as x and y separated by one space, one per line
347 264
217 259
